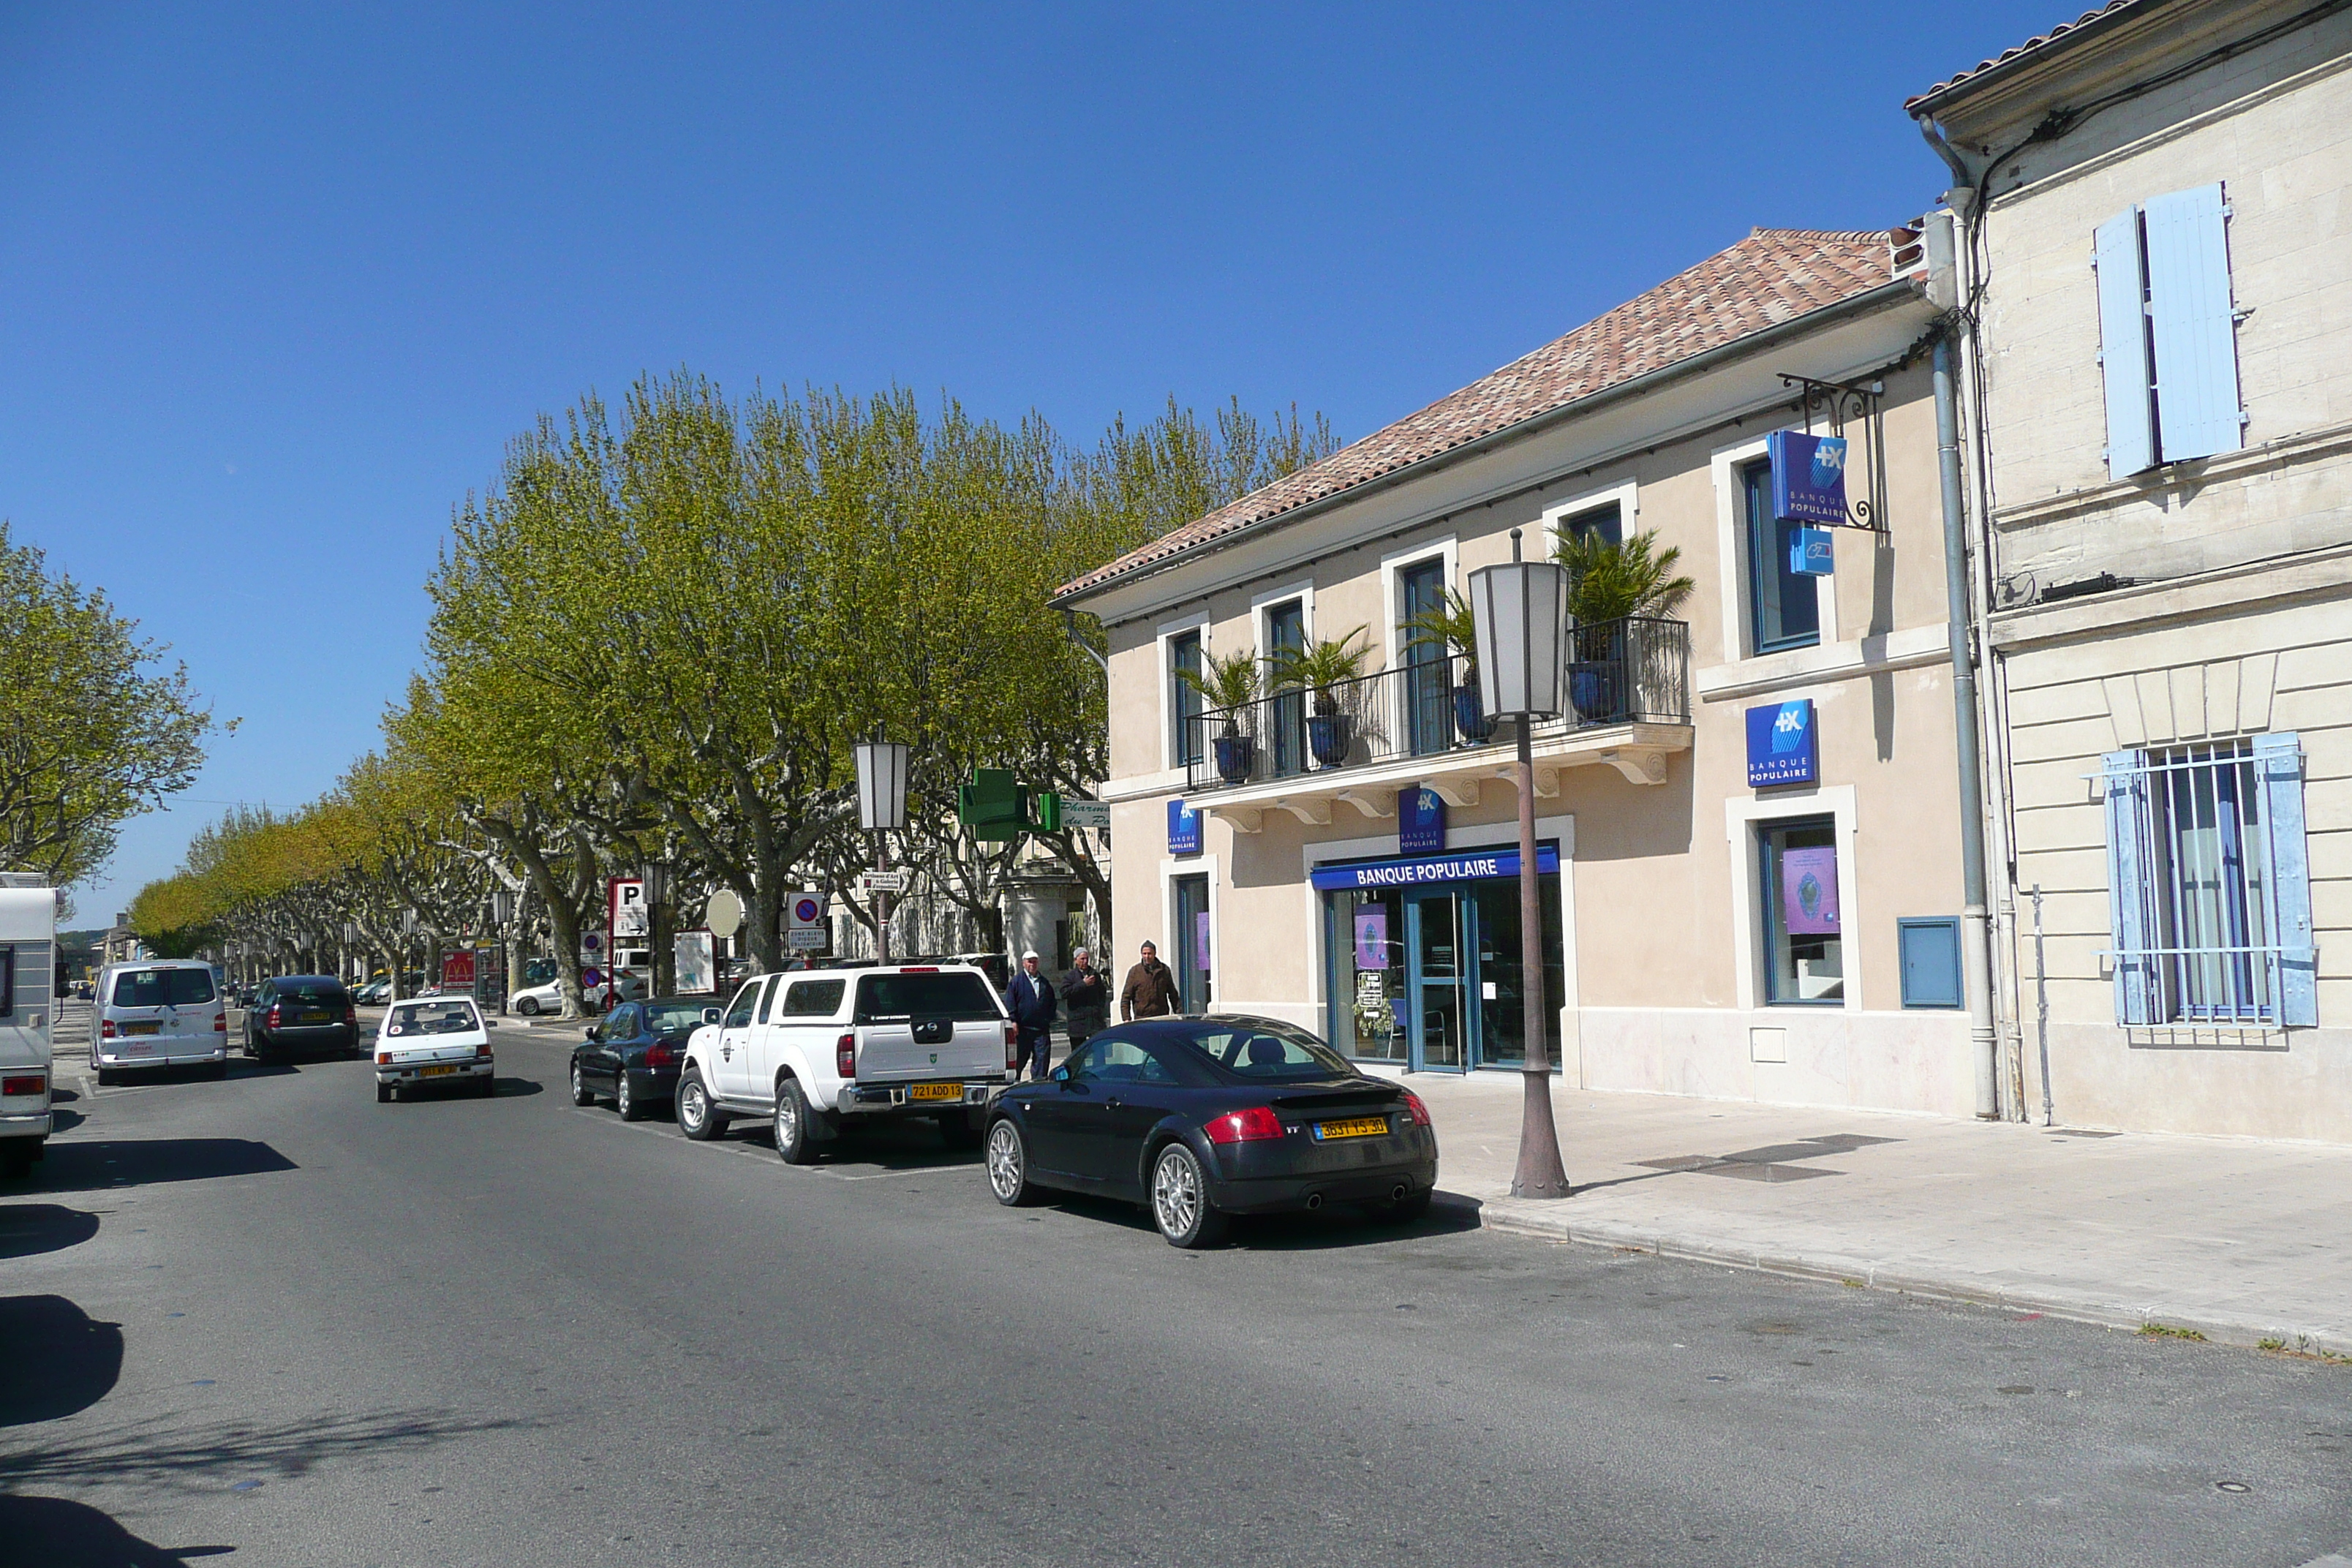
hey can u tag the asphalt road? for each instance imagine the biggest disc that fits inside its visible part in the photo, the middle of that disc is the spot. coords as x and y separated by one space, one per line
268 1321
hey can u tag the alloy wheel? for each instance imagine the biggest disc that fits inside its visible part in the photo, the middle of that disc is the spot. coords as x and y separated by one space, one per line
624 1101
1004 1173
692 1106
1176 1198
788 1122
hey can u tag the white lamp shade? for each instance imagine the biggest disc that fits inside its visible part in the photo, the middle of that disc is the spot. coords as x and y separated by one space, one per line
1520 611
881 784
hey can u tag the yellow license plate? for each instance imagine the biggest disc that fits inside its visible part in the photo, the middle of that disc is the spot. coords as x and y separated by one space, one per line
1363 1127
936 1091
433 1072
142 1028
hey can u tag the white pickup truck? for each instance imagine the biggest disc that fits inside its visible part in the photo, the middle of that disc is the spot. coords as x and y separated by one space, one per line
818 1051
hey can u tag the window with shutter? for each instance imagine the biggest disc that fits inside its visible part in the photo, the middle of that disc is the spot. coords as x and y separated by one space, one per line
2132 921
2278 762
2189 318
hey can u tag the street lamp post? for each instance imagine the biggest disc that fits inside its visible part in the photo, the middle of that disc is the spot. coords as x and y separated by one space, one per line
1519 612
881 808
655 876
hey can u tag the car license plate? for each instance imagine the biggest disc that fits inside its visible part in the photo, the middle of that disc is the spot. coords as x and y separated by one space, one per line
435 1072
142 1028
1361 1127
314 1017
936 1091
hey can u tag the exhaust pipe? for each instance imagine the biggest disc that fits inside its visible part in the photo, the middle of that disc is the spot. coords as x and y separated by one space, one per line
1396 1193
1314 1202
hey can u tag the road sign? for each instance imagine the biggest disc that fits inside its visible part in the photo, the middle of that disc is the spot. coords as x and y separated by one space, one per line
884 881
806 940
627 913
591 978
1095 814
806 928
724 913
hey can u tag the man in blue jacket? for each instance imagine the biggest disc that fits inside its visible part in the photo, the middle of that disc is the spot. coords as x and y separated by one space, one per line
1030 997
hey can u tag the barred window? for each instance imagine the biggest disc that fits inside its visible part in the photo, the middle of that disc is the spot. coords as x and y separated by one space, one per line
2209 891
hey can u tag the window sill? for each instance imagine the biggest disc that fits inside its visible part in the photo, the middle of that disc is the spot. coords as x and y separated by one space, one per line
1902 650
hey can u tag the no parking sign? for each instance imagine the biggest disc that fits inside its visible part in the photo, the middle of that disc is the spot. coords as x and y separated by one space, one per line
804 922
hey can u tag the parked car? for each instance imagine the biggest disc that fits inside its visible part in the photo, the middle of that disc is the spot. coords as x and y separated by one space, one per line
441 1043
537 999
300 1012
163 1012
633 1056
821 1051
1202 1119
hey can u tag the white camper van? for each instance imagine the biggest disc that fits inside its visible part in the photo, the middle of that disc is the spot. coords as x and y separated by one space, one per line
28 967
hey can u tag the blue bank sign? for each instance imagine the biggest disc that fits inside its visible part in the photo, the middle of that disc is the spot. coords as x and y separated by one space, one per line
1808 476
1184 829
1780 748
1420 820
1477 864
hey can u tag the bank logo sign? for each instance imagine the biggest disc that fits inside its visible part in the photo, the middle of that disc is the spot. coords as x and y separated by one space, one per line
1421 821
1184 829
1477 866
1807 476
1781 749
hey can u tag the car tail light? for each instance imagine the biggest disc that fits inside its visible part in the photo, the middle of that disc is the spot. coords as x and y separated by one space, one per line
28 1083
350 1013
384 1058
1415 1108
1252 1126
481 1053
106 1029
220 1023
1013 1048
272 1021
660 1056
844 1056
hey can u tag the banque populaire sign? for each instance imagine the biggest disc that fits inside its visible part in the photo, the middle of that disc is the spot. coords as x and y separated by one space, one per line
1780 748
1473 866
1808 476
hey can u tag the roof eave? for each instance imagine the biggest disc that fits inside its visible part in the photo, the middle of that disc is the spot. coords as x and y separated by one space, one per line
1931 104
1649 381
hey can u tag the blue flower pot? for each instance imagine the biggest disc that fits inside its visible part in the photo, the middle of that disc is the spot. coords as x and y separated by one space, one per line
1235 752
1470 715
1329 736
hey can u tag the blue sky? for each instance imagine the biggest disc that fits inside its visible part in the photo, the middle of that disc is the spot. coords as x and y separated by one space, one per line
280 282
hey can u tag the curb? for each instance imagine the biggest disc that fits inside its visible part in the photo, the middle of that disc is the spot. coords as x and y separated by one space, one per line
1860 1274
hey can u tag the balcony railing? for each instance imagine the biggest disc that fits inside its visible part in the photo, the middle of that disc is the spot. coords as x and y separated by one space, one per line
1631 671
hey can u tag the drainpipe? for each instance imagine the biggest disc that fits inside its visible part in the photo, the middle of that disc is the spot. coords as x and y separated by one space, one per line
1975 920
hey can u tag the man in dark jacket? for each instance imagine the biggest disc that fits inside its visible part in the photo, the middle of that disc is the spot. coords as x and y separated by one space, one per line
1151 988
1031 998
1086 999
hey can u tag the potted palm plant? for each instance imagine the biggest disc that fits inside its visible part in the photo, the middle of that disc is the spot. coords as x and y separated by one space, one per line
1448 625
1322 667
1609 584
1227 686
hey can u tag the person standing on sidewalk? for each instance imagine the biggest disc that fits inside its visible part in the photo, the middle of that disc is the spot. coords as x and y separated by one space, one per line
1151 988
1086 999
1031 998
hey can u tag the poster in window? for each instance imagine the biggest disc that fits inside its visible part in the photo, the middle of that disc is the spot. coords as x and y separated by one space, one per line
1809 891
1201 941
1372 937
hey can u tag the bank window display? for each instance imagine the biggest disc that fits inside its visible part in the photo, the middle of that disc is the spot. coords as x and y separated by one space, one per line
1365 935
1804 944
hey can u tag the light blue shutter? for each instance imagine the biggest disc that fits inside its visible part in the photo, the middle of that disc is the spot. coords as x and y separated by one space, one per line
2133 919
2196 341
2123 345
2278 759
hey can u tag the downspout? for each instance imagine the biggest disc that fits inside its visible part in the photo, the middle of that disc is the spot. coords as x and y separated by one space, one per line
1976 935
1976 915
1070 630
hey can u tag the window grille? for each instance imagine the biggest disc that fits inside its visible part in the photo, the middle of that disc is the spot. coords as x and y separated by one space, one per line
2211 895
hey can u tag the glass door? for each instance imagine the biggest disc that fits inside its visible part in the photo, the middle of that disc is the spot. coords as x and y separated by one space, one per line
1435 982
1192 944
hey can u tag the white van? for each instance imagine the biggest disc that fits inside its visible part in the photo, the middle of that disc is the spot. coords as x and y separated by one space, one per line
159 1012
28 967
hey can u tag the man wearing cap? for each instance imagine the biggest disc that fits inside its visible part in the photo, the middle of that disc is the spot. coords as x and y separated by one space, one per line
1151 988
1030 997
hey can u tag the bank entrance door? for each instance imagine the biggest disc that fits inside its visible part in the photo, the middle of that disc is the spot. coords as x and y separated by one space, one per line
1441 964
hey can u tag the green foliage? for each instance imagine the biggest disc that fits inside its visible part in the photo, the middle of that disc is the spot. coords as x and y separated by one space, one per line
91 735
1448 625
1608 582
1231 681
1324 663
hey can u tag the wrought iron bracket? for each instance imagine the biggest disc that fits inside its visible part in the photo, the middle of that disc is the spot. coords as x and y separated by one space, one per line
1838 402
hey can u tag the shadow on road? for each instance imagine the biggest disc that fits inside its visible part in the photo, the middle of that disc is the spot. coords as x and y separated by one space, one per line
1339 1227
895 1146
150 1451
27 1229
62 1534
101 1166
61 1361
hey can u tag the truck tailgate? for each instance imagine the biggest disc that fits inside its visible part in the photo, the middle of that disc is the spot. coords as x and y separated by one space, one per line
901 1050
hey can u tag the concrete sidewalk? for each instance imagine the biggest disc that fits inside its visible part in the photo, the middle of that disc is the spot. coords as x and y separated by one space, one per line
2239 1240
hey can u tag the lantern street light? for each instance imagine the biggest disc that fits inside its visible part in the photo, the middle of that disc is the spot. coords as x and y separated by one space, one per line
881 808
654 875
1519 613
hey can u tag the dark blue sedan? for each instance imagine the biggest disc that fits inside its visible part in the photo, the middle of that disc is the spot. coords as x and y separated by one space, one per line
631 1056
1202 1119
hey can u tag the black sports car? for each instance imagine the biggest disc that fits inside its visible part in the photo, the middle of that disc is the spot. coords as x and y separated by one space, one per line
1200 1119
634 1054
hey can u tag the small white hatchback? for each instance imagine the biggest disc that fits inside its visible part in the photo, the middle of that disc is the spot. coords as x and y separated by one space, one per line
439 1040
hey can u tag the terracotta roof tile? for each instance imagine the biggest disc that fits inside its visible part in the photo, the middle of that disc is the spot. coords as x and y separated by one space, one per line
1774 275
2002 58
